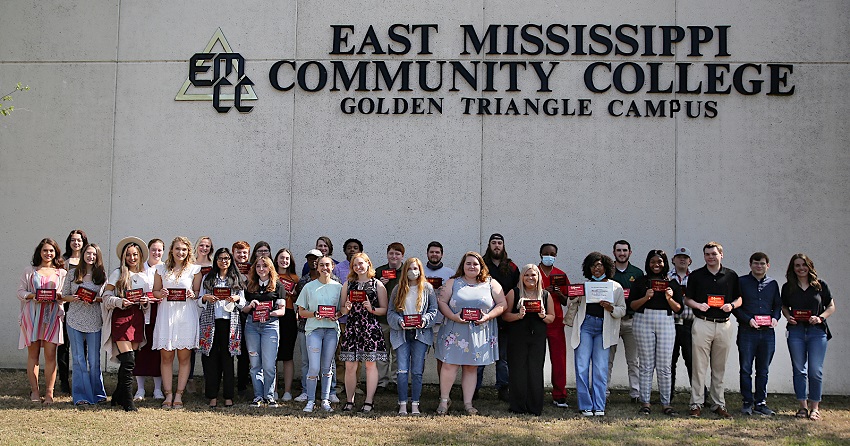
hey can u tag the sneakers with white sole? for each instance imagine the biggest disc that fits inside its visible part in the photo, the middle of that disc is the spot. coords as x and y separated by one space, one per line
301 398
334 399
326 406
309 407
157 394
140 394
287 396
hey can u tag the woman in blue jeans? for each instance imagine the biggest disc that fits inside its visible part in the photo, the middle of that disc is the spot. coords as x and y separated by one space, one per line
806 304
322 330
412 296
264 305
595 330
84 287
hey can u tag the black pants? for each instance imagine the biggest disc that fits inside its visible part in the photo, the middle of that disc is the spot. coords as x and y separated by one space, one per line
683 344
526 356
243 366
63 357
219 362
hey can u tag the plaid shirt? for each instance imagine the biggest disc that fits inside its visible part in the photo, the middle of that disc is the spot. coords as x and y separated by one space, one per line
687 313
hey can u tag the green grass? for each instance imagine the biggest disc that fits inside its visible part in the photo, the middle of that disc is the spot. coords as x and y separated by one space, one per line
24 422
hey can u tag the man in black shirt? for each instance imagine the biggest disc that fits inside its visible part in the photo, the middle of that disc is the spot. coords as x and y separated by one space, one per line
713 292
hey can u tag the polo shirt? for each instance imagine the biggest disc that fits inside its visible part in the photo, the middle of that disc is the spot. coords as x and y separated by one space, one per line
626 278
701 283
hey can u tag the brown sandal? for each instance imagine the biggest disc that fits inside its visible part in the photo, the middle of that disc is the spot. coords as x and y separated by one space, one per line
470 410
443 408
166 404
178 404
48 397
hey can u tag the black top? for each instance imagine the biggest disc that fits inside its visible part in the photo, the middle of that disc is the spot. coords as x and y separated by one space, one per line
265 296
531 324
808 299
658 301
508 281
701 283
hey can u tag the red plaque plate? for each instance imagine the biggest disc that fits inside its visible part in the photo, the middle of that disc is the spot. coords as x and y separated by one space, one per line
357 296
45 295
626 292
86 295
205 270
762 320
327 311
412 320
261 312
176 294
659 286
801 315
388 274
532 306
243 267
470 314
576 290
435 282
716 300
288 285
558 280
134 295
221 292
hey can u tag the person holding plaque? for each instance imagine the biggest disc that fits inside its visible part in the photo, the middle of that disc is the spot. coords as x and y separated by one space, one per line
470 302
84 288
806 304
177 283
530 311
318 303
595 330
40 293
288 324
713 292
654 299
364 299
74 244
125 303
411 316
147 360
222 297
555 281
264 305
203 258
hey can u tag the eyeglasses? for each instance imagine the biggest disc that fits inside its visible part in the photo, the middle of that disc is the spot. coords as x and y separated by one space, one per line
263 251
224 259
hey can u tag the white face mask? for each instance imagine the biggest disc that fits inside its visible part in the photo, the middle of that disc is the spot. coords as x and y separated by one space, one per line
412 274
548 260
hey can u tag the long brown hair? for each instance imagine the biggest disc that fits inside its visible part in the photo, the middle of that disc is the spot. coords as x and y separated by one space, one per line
254 278
404 285
482 276
791 276
98 273
58 262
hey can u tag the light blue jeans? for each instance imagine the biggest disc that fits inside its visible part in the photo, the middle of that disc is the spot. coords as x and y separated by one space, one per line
411 361
321 349
261 338
807 346
305 364
590 350
87 384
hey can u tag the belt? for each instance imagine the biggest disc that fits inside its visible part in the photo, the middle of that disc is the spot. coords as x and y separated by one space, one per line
628 316
712 319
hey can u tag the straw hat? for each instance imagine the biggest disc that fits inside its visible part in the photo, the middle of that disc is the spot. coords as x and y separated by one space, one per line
119 248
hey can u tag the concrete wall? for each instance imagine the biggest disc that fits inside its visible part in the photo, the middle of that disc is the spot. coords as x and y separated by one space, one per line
99 143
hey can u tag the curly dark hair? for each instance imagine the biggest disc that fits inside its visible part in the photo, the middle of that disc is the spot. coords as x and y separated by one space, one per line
594 257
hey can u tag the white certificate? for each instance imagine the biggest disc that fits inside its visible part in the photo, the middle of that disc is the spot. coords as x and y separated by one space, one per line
599 291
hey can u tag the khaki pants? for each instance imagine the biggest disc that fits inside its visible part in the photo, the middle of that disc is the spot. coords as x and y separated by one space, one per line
387 370
632 361
711 344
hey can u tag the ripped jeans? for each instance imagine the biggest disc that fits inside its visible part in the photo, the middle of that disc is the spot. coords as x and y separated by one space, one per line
321 349
411 363
261 338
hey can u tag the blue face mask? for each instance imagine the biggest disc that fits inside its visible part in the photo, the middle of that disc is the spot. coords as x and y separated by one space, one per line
548 260
599 279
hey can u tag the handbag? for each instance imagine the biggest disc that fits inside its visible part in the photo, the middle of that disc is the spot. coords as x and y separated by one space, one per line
572 309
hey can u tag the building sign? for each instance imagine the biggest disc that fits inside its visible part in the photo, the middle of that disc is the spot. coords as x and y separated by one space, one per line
680 70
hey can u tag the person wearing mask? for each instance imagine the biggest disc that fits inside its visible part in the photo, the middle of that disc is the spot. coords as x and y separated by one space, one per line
468 338
74 244
713 292
595 330
177 284
319 304
84 288
362 340
684 320
625 274
504 271
222 298
760 310
555 335
412 310
41 321
437 275
530 310
148 362
806 305
126 305
389 275
656 298
264 304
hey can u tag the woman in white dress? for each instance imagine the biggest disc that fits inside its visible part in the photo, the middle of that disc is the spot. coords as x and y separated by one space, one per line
177 283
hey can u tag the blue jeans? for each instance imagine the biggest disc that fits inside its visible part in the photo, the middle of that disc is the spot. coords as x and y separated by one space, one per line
411 361
261 338
87 384
502 375
755 345
807 346
590 350
321 349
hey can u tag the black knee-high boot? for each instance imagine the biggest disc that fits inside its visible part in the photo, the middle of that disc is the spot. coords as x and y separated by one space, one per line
125 380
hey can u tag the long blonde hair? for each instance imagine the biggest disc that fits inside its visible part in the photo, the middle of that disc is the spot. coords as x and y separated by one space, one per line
404 285
170 263
538 290
124 278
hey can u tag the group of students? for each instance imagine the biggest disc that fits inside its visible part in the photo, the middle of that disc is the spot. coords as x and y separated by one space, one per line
231 303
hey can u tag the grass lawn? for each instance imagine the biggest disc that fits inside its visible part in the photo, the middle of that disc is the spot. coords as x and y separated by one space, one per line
24 422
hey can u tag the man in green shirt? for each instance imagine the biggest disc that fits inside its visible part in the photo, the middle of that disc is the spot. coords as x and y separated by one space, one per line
625 274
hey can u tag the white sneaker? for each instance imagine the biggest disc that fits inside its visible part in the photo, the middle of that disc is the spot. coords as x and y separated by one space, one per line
587 413
599 413
287 396
326 406
309 406
140 394
157 394
334 398
301 398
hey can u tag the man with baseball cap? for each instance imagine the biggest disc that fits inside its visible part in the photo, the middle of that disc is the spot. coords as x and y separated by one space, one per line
684 320
504 271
